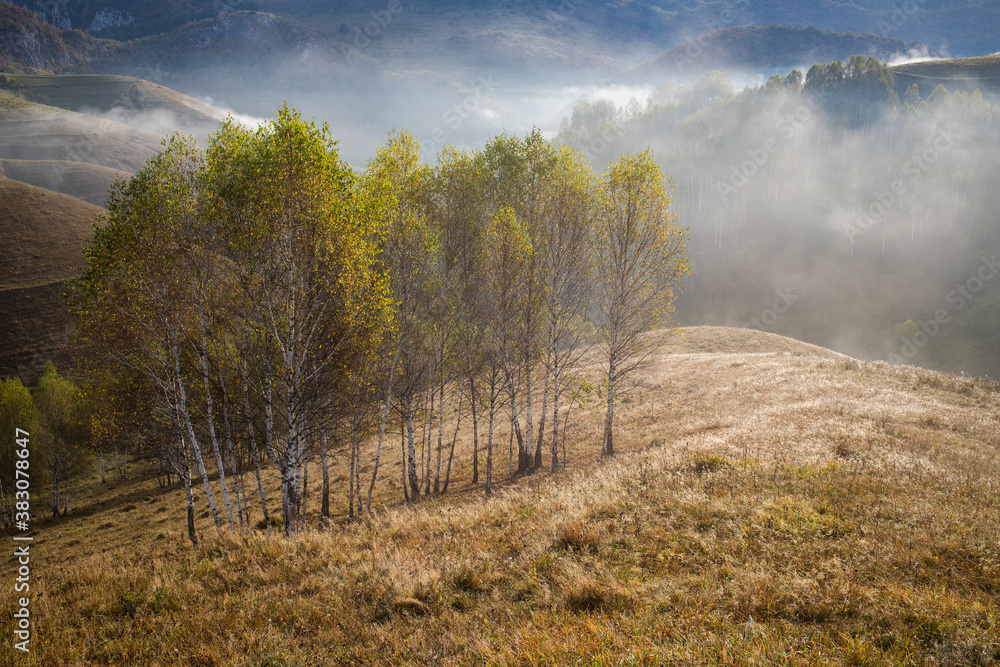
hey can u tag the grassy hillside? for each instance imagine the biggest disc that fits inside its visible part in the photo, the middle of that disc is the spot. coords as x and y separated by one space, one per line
955 74
761 50
30 131
56 166
775 503
43 234
85 181
137 99
35 329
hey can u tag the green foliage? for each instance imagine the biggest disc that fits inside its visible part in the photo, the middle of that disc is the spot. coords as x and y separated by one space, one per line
264 279
854 90
64 418
17 411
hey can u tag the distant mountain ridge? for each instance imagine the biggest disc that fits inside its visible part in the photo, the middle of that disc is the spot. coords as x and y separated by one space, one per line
562 33
967 28
243 39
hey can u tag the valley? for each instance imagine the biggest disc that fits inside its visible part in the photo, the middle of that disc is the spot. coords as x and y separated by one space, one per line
292 293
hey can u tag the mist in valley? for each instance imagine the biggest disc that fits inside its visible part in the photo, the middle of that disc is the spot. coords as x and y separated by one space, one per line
251 307
833 211
824 205
829 204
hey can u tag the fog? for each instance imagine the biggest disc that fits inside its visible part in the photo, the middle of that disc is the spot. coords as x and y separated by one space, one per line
843 215
915 55
834 215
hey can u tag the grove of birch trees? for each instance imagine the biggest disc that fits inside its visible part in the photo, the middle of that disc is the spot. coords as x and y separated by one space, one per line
258 308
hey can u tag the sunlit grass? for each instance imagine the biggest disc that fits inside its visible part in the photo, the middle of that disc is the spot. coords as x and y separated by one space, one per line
779 507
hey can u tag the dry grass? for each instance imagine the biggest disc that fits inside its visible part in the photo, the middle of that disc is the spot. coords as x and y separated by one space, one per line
43 235
768 508
85 181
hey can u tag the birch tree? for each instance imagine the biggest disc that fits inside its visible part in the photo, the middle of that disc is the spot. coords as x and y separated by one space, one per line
640 261
62 415
565 234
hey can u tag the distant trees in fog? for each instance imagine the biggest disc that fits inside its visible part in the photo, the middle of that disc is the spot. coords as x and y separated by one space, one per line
279 309
830 183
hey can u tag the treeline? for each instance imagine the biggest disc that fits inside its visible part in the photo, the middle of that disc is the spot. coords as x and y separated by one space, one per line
259 304
56 417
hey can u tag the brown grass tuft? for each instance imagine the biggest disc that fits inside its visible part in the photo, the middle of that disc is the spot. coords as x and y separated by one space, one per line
579 536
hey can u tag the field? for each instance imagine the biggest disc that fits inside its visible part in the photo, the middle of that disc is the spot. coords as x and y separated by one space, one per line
774 503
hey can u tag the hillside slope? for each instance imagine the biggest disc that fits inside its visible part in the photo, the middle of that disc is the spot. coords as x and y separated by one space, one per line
85 181
135 102
763 50
773 502
30 131
966 74
59 155
43 234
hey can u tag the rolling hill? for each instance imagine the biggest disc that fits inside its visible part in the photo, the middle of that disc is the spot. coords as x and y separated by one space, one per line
771 499
56 166
762 50
31 131
43 234
965 74
133 101
83 180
